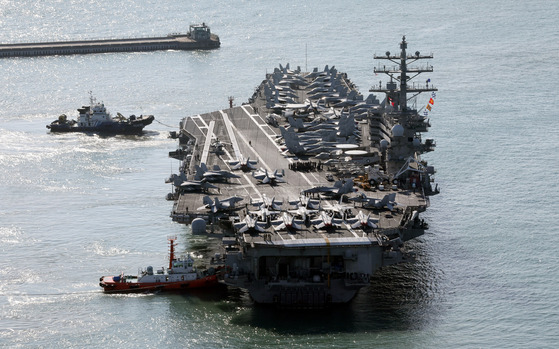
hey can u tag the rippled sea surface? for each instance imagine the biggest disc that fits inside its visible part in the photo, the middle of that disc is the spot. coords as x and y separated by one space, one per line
74 207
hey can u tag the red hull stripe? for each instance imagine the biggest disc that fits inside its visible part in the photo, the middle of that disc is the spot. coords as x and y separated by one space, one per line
110 286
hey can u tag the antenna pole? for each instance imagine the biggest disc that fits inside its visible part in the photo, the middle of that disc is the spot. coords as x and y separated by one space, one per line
306 59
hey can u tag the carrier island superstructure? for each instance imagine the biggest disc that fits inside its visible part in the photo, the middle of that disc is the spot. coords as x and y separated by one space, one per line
309 188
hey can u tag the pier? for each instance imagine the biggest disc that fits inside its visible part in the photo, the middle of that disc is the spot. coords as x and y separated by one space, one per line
199 37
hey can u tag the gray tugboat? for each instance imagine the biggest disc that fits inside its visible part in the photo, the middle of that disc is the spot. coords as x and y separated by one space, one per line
94 118
329 185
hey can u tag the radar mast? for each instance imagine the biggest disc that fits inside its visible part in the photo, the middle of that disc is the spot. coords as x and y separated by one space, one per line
403 74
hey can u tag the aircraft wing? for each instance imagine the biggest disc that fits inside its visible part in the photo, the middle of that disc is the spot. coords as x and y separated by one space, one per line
259 228
280 179
337 222
356 224
297 224
319 225
228 174
239 225
259 175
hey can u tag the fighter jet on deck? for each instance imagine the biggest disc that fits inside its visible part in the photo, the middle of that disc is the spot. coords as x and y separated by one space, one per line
323 156
387 201
264 213
303 212
217 146
269 178
244 164
294 145
215 175
249 223
177 179
217 205
196 186
267 202
338 209
286 221
338 189
307 202
363 199
326 221
362 221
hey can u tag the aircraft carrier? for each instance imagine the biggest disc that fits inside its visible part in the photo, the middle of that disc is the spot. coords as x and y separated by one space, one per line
309 188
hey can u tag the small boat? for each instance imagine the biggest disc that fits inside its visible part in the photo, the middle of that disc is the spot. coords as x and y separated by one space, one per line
180 276
95 118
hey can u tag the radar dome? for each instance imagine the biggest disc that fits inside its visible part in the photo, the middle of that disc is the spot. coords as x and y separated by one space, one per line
397 130
384 144
198 226
416 142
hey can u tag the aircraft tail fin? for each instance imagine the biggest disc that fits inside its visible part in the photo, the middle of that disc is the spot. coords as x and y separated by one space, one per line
199 173
296 123
207 200
347 187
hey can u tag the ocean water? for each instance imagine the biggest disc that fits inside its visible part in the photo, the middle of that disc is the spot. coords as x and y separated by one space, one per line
75 207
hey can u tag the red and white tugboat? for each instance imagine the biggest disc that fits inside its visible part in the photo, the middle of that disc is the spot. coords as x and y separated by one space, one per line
179 277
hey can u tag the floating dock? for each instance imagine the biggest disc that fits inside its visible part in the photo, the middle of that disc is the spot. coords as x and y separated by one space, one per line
199 37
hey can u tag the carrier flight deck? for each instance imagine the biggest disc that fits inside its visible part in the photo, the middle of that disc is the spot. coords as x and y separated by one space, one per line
309 186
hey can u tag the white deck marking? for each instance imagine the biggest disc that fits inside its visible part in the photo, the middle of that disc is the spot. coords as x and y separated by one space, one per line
232 137
199 117
261 128
278 234
207 143
260 160
351 230
235 145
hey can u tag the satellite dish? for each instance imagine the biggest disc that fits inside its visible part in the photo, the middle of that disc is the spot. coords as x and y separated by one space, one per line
397 130
198 226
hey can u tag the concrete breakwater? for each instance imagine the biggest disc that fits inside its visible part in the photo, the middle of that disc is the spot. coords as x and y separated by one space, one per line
198 37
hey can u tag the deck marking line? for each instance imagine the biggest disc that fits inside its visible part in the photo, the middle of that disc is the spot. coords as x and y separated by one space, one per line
209 135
